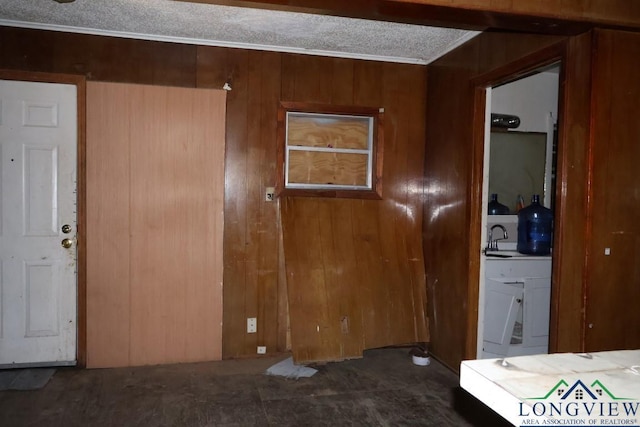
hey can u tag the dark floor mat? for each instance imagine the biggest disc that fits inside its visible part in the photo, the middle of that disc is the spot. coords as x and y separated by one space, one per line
25 379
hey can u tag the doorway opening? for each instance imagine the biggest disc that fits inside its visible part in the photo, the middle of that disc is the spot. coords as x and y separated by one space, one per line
520 145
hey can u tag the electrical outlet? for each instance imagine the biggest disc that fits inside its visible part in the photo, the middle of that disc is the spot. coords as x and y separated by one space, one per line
252 325
262 349
270 194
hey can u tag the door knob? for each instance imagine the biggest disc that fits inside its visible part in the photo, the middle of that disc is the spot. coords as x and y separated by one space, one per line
66 229
67 243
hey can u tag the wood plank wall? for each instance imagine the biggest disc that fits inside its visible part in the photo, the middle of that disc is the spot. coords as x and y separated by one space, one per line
361 259
254 281
567 313
612 318
593 294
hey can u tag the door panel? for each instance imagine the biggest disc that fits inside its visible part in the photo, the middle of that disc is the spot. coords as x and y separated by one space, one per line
503 300
538 299
155 191
38 157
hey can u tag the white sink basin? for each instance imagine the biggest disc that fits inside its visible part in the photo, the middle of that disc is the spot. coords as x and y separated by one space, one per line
506 254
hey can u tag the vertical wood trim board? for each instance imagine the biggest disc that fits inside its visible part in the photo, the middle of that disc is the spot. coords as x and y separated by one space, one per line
155 191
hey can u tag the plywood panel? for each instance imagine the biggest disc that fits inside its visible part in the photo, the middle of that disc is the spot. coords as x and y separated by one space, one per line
172 144
346 132
108 226
176 212
310 167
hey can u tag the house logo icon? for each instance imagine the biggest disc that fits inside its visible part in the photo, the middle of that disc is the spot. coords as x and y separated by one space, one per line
579 391
580 404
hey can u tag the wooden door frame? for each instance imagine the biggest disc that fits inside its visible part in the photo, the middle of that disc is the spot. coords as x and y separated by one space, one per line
512 71
81 275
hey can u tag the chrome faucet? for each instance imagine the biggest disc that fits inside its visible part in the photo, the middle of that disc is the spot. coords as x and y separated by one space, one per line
492 244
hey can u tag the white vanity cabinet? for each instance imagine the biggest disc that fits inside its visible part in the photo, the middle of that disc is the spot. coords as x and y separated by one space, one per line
516 306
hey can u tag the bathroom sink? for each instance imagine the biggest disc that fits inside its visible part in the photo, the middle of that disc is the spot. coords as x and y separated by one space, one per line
502 254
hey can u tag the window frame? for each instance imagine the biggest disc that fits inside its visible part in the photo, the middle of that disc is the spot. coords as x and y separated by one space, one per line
373 189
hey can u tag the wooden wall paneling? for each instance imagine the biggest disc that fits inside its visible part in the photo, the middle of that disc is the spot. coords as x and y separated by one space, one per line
370 221
311 336
26 50
567 311
284 324
411 152
314 337
342 71
327 80
476 211
311 78
366 278
410 129
252 235
394 285
253 196
375 297
612 288
452 296
274 330
346 281
335 321
108 228
350 280
495 51
125 60
445 213
237 308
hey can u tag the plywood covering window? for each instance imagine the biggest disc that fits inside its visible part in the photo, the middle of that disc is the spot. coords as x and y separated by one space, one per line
328 150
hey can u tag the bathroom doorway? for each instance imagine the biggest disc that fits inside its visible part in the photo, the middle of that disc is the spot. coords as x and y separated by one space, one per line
519 153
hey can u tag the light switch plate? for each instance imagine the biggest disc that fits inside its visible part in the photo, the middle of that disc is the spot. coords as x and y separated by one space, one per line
270 194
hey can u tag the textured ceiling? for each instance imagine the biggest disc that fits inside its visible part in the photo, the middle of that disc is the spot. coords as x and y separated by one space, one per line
198 23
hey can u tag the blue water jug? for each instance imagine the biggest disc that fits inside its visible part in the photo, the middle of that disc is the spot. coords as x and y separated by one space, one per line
535 228
495 207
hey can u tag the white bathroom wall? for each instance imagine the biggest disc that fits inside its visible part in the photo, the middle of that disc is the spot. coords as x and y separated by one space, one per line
531 99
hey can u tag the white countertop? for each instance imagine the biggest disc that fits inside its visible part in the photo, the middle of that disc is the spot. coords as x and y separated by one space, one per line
511 255
543 389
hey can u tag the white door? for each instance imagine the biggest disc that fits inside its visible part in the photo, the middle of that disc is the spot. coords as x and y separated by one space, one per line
38 304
